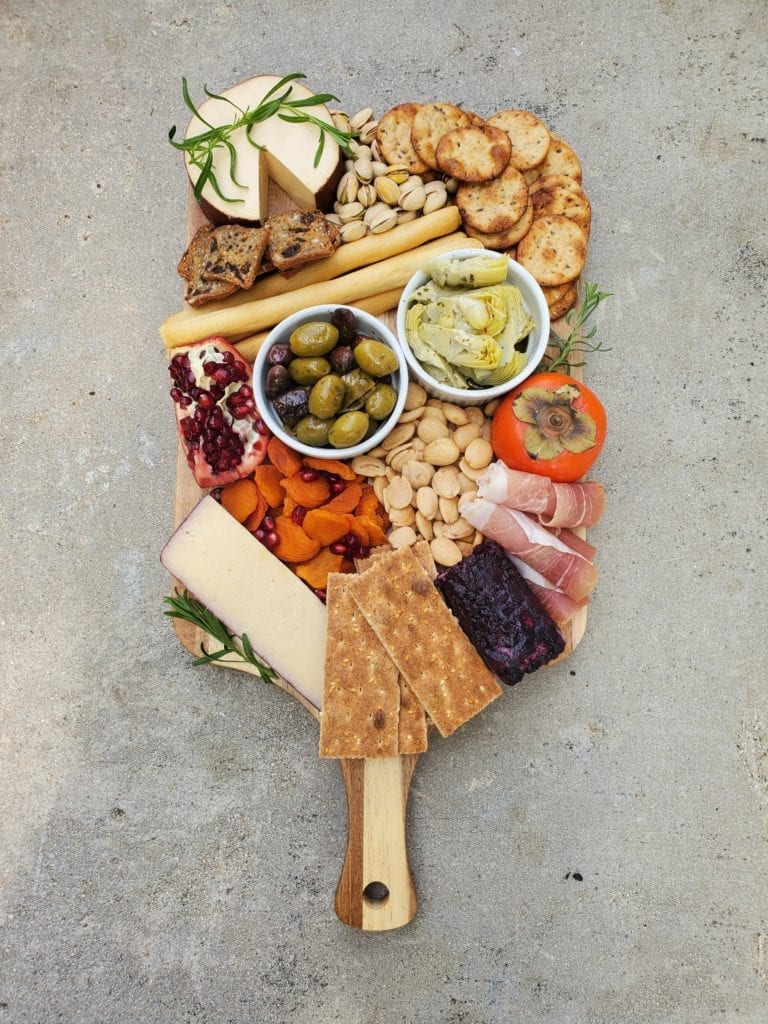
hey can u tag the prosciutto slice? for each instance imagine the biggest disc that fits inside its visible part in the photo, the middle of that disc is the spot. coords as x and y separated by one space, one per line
541 550
556 505
555 603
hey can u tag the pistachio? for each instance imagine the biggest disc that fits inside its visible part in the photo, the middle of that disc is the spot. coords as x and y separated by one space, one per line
364 153
379 168
414 181
451 185
412 197
367 195
383 222
375 150
398 173
368 131
341 121
434 201
352 231
350 211
406 215
363 169
387 190
434 186
334 218
362 117
347 188
349 165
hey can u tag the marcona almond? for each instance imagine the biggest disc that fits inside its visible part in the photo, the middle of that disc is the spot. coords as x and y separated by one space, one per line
416 397
366 465
446 482
434 412
427 502
443 452
390 473
454 414
402 537
410 416
379 486
434 403
478 454
473 474
466 434
475 415
465 484
378 452
394 451
445 552
424 526
460 530
402 433
399 492
490 408
430 429
418 474
403 457
402 516
449 509
464 548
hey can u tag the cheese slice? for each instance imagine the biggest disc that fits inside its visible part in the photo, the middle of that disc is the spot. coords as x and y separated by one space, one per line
288 157
252 592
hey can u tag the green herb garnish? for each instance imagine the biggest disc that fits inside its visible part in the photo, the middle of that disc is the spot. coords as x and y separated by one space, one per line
577 342
200 148
191 610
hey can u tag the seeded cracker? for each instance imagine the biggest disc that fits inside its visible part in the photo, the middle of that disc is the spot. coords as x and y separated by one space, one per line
423 638
361 693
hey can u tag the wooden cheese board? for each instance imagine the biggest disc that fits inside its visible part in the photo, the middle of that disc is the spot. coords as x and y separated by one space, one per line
375 890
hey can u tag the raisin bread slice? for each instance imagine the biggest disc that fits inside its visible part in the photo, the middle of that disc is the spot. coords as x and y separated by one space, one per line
299 237
235 254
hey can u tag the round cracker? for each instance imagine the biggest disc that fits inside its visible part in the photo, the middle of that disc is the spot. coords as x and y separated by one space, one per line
501 240
532 176
394 137
557 199
554 250
476 153
548 180
560 159
494 206
431 123
560 299
529 137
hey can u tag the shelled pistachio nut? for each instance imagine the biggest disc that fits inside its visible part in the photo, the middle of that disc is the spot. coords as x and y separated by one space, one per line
351 211
451 185
352 231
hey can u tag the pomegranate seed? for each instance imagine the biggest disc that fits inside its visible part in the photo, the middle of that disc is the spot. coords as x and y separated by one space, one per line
272 540
363 551
260 534
320 594
176 394
299 514
205 401
339 548
349 540
337 487
229 357
269 522
222 375
261 427
333 478
246 391
308 475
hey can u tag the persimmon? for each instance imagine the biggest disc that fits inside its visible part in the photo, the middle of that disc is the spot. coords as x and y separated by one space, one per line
552 425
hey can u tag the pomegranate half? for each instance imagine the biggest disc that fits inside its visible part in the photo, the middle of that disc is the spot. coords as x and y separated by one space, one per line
223 434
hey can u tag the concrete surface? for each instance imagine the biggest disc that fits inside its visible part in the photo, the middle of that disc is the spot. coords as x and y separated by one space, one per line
170 840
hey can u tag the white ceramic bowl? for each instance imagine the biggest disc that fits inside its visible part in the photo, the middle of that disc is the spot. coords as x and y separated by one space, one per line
535 304
367 325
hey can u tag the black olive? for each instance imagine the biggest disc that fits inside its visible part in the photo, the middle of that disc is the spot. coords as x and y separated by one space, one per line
277 381
279 354
345 323
292 406
342 359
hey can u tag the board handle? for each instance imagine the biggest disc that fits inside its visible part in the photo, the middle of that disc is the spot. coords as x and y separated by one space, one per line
375 890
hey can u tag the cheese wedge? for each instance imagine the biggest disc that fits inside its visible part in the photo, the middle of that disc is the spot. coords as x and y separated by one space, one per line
252 592
288 157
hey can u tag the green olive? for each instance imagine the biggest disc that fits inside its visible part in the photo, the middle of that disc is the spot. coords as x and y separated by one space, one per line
348 429
312 431
314 339
380 403
326 397
375 358
357 385
308 371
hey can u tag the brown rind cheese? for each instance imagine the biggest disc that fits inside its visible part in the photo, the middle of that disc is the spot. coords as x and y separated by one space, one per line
405 610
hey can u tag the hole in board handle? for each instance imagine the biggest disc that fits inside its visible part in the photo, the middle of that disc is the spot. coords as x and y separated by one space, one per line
376 892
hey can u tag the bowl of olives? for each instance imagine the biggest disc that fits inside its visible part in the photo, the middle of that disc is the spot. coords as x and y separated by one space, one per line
331 381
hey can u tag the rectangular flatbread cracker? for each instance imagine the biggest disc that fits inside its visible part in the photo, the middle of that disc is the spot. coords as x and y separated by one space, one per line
410 618
361 693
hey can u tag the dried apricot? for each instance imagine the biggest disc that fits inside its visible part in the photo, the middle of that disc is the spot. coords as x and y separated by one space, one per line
240 498
325 526
331 466
315 571
269 481
347 501
253 522
281 456
309 493
293 544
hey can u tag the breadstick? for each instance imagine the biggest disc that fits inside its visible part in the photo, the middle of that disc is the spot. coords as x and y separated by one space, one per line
347 257
256 316
374 304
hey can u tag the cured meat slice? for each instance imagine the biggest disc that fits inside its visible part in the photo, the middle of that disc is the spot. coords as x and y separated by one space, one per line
575 542
555 603
555 504
496 609
522 536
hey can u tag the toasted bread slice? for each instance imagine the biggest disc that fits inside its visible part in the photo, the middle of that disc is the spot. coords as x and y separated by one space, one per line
494 206
189 263
235 255
430 124
553 251
475 153
394 137
198 290
298 237
529 137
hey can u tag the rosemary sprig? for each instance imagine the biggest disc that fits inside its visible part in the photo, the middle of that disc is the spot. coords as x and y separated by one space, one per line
201 148
578 342
184 606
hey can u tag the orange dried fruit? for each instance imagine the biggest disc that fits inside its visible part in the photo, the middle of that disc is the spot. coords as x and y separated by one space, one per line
309 493
282 458
347 501
376 535
293 544
315 571
253 522
269 481
358 529
331 466
240 498
325 526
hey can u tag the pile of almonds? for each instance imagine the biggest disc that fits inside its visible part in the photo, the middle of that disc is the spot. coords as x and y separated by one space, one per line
431 460
374 196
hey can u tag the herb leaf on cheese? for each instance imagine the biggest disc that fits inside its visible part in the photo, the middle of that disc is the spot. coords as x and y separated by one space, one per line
184 606
200 148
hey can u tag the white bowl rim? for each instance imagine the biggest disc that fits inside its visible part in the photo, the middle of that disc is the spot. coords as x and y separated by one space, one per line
370 324
488 394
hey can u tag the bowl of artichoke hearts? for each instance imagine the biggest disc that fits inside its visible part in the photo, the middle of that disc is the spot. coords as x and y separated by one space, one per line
472 325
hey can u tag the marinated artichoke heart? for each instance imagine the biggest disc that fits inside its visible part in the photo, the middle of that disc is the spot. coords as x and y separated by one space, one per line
466 337
474 272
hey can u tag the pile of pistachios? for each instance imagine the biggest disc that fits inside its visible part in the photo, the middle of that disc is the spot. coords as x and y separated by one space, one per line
373 196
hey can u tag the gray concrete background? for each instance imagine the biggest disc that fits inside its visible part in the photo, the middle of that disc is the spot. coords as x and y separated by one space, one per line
170 840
